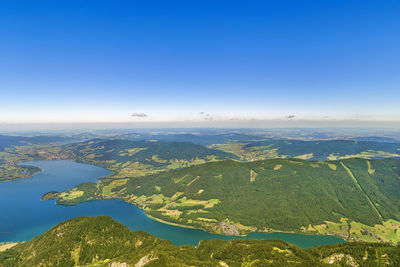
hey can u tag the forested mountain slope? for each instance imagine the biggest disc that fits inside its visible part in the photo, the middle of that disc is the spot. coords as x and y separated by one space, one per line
313 150
101 241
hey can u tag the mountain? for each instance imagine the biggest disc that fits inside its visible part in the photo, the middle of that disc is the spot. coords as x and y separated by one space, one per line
136 158
101 241
355 198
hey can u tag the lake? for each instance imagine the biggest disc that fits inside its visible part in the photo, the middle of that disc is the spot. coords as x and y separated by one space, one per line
23 215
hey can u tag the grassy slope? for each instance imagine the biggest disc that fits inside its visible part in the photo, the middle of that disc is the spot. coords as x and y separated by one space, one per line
101 241
288 195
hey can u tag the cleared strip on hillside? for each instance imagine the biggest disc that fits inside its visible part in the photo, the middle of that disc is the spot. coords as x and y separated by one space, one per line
395 173
361 189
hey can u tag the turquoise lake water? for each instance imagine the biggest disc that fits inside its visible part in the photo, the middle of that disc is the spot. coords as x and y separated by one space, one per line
23 215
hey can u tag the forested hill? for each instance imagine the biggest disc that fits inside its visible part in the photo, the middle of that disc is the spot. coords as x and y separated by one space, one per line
141 151
101 241
346 198
312 150
323 150
136 158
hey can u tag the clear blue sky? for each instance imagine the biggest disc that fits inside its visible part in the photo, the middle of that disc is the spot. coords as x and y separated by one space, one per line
101 61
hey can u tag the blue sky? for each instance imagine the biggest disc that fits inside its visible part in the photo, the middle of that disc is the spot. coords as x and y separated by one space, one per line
101 61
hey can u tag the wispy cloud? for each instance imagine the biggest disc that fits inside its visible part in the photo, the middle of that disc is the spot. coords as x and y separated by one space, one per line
206 116
139 115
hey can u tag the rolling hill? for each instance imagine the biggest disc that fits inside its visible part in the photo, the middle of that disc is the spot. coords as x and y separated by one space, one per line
136 158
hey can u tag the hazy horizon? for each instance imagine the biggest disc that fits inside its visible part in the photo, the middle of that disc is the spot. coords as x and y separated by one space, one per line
241 125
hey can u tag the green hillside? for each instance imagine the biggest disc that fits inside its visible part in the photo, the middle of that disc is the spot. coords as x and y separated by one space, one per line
314 150
101 241
355 199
